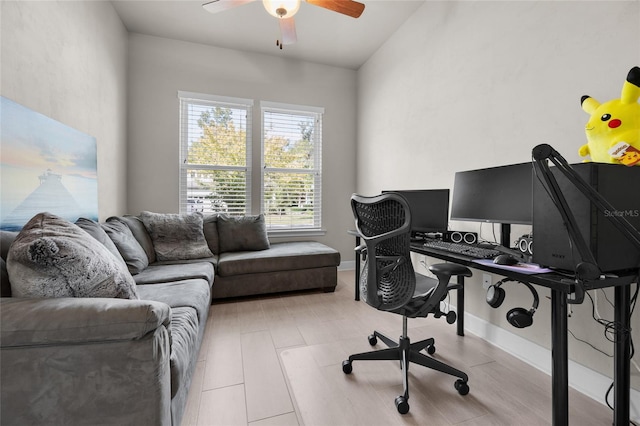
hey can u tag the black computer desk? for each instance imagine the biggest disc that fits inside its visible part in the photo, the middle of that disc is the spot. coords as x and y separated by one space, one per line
560 288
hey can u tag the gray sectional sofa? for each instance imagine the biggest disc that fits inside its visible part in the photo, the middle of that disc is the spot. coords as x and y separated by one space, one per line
128 355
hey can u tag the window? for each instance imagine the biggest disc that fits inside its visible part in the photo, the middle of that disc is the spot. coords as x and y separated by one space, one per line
216 152
291 166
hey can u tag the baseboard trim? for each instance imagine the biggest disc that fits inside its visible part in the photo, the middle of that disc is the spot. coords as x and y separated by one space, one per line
584 380
347 265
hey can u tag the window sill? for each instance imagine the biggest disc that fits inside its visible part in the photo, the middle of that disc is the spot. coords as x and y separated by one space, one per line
296 233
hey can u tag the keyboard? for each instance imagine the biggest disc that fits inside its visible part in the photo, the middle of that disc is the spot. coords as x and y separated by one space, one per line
464 249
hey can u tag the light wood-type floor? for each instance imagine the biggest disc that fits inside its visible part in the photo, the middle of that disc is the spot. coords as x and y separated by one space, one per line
278 361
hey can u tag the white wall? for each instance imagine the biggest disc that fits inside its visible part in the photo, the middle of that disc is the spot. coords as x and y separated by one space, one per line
159 68
467 85
67 60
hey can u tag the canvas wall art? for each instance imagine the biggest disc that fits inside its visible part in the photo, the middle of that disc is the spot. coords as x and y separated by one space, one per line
44 166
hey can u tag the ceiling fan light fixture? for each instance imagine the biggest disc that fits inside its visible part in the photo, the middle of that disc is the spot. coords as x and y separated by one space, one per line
281 8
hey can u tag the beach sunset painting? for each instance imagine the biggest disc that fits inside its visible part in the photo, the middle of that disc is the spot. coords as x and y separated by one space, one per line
44 166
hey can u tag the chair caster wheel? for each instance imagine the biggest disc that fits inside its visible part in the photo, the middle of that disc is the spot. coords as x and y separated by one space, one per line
461 386
402 405
373 340
346 367
431 349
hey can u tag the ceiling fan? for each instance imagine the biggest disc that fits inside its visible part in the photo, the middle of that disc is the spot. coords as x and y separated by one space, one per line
285 9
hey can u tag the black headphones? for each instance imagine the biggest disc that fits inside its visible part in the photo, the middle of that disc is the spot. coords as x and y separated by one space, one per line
517 317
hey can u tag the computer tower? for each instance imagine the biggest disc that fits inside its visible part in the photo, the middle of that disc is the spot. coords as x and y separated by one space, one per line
620 185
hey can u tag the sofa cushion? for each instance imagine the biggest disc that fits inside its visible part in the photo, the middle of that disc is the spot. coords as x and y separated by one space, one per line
189 301
242 233
52 257
94 229
210 229
190 293
173 272
140 232
176 236
129 248
184 341
280 257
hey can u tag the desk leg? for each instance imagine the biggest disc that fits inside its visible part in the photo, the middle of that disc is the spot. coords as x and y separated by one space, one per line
560 359
460 307
357 285
622 371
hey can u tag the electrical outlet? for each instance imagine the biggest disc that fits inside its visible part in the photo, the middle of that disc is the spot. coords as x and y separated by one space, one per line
486 281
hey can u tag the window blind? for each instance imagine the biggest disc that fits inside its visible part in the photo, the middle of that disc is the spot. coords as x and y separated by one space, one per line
215 154
292 166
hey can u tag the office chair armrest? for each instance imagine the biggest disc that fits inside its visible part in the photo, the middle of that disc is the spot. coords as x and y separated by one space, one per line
444 272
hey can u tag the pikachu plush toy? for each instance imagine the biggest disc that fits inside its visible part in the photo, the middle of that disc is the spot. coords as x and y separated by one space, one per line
613 130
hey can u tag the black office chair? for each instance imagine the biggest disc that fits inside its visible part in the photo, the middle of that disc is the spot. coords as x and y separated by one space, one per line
389 283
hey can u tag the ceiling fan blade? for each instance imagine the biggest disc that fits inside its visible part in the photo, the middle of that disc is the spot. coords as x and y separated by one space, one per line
288 30
346 7
216 6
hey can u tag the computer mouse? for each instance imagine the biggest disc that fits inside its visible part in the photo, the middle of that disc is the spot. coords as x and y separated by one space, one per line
505 259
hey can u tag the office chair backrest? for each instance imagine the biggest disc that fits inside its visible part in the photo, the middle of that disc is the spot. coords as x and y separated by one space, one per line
388 280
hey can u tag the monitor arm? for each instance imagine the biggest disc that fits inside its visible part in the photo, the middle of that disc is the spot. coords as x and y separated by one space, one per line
588 268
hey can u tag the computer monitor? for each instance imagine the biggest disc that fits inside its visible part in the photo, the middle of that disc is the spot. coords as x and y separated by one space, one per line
429 209
495 195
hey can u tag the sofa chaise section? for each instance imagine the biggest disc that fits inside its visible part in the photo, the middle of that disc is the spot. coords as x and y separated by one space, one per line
287 266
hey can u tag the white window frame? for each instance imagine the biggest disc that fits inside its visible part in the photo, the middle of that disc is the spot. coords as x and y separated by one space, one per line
317 113
191 98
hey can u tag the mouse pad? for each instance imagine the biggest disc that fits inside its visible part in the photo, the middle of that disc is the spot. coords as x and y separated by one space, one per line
523 268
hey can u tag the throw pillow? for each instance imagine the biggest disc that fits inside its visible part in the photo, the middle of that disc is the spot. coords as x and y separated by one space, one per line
52 257
210 228
140 232
244 233
94 229
176 236
129 248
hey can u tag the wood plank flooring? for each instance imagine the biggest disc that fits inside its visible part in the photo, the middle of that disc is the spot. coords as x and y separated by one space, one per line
277 361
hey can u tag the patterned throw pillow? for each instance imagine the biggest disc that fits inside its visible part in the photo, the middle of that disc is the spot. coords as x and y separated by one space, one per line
176 236
52 257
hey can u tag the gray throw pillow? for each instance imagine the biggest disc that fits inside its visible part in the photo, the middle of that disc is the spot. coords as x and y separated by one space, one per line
210 228
140 232
129 248
176 236
52 257
94 229
244 233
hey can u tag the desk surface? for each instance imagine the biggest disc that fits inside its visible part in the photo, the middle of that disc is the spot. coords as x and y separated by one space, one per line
552 280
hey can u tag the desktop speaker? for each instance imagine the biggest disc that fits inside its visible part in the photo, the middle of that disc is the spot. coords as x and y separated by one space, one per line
613 252
525 244
460 237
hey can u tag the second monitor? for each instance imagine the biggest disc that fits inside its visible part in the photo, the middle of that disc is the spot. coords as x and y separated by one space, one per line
429 209
496 195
